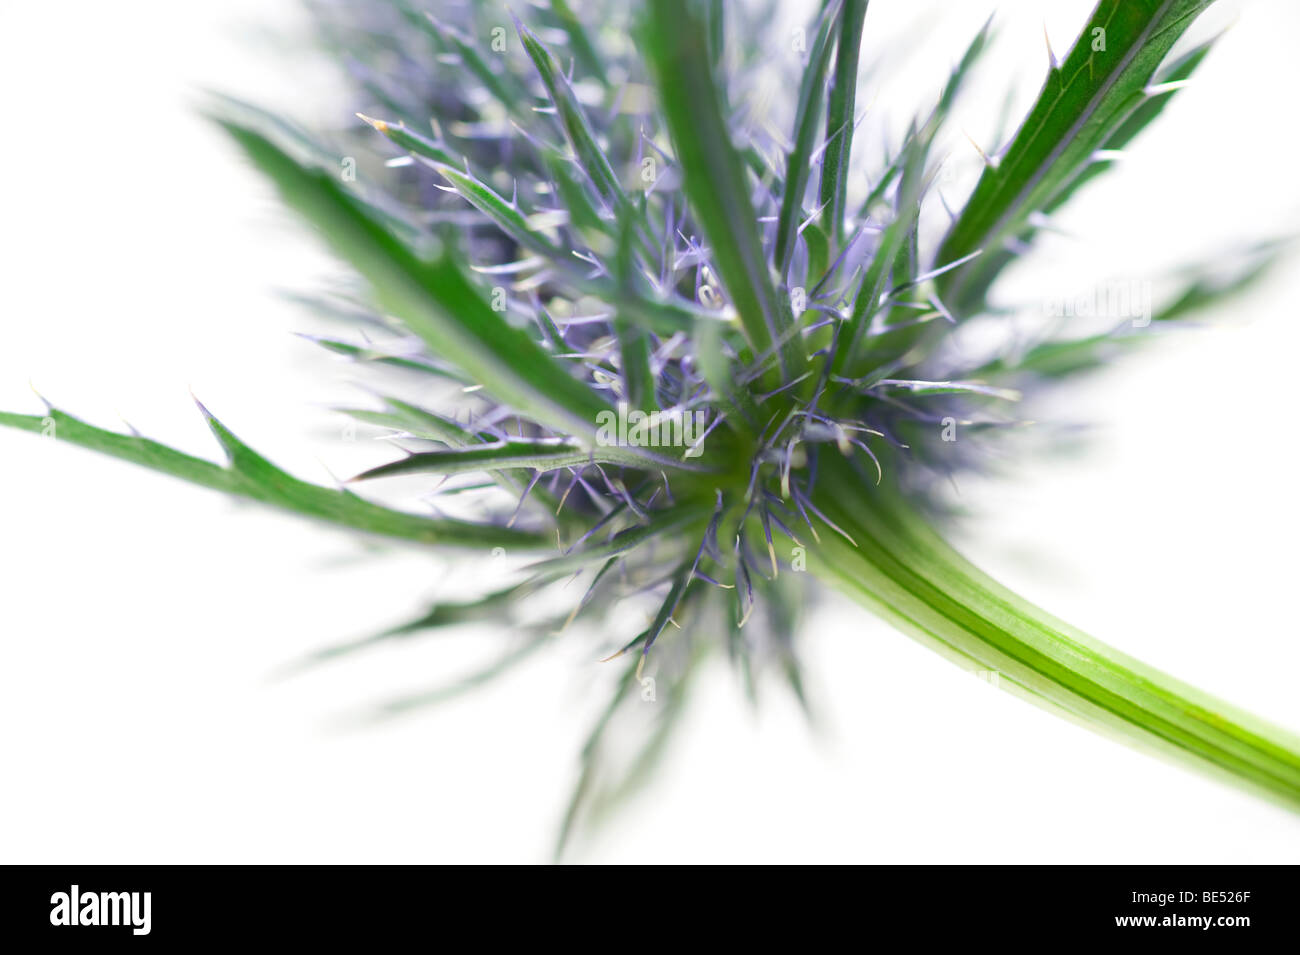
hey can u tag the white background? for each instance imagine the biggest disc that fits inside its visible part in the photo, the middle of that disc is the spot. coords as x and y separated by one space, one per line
141 619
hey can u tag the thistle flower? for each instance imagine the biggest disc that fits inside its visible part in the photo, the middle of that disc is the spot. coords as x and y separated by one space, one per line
679 355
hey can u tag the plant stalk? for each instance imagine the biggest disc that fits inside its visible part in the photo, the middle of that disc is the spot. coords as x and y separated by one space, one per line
905 572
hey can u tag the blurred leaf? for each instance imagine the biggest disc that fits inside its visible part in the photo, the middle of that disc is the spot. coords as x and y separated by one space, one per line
1083 103
542 456
947 388
419 423
431 296
584 51
379 356
1207 290
662 524
577 129
1204 292
249 475
507 661
445 614
907 208
1151 107
676 39
633 343
505 87
841 120
798 164
409 140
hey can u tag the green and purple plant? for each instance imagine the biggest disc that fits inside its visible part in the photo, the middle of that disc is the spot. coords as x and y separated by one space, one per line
688 352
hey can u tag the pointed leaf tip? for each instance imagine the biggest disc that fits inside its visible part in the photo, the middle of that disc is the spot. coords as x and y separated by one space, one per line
377 124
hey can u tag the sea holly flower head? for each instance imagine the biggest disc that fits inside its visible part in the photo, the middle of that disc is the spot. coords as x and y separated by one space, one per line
644 326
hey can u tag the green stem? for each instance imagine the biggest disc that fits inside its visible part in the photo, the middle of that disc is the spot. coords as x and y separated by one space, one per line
904 571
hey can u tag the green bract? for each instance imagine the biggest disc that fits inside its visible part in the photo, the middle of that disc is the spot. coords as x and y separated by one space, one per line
698 362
